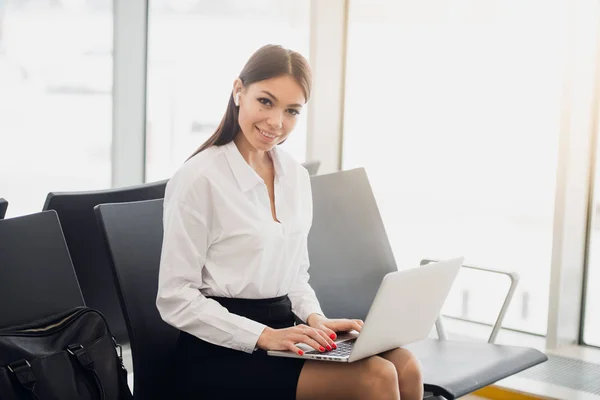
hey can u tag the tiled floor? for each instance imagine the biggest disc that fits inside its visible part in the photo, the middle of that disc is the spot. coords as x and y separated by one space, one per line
522 383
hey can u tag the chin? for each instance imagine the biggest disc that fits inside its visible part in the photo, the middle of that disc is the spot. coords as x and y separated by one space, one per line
258 144
261 146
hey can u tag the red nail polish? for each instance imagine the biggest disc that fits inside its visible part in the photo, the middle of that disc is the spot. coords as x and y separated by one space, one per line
334 346
332 336
300 352
329 348
322 349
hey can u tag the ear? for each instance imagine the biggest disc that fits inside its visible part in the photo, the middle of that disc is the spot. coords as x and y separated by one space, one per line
238 86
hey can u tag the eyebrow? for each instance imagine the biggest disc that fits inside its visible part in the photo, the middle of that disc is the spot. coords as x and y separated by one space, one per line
275 98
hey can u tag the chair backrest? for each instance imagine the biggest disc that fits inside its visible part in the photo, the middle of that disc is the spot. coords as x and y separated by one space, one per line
76 213
133 234
312 167
3 207
348 247
36 273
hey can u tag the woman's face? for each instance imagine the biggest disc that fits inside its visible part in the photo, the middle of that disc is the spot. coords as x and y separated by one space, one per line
268 110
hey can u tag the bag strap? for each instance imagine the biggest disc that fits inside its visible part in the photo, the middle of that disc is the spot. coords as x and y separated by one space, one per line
24 374
124 391
84 359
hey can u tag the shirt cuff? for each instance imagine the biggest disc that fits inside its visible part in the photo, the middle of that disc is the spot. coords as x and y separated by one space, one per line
247 335
308 309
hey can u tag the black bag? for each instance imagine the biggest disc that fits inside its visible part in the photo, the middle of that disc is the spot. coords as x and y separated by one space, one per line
69 356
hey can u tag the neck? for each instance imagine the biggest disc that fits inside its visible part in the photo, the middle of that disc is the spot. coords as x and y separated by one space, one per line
254 157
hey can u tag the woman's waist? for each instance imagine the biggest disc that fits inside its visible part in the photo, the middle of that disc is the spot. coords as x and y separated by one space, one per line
252 278
250 302
246 284
243 290
273 311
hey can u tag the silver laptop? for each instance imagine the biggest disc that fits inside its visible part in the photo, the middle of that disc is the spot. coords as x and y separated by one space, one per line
404 311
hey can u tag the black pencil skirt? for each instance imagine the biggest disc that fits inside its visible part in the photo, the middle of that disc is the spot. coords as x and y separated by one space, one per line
207 371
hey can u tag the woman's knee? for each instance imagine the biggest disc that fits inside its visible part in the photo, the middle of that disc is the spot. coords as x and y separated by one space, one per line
410 378
408 366
411 371
379 379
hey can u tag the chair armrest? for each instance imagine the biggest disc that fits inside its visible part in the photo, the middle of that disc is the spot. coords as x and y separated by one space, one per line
514 280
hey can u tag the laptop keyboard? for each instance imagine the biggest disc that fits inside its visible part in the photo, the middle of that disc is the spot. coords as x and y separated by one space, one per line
343 349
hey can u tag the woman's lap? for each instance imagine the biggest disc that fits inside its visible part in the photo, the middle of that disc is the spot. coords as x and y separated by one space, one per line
203 368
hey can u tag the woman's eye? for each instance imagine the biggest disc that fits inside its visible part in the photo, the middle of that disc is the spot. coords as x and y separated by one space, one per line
264 101
294 112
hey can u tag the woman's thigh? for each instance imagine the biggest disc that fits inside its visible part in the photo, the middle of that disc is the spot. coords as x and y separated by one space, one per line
361 379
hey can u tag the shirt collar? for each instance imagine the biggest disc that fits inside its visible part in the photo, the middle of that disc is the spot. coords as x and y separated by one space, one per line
244 174
280 167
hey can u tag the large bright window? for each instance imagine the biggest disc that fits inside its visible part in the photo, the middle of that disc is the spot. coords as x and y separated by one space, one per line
196 49
55 99
453 108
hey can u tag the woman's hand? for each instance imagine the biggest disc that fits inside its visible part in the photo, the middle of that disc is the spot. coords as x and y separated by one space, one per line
286 339
331 326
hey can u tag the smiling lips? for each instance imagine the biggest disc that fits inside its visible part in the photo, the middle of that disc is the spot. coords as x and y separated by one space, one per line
267 135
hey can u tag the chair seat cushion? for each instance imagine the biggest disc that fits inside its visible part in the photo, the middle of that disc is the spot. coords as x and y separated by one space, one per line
455 368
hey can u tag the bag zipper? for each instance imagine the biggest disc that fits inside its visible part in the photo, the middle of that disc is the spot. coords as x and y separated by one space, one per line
58 327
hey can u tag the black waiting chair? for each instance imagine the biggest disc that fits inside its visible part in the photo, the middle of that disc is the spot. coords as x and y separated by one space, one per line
350 254
36 274
3 207
312 167
133 235
76 213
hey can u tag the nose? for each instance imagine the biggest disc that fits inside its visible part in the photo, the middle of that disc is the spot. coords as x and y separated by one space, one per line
275 119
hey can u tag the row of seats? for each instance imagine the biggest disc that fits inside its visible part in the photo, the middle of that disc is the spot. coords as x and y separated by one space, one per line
119 256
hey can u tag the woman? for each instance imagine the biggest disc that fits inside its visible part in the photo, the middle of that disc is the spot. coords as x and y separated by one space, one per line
234 260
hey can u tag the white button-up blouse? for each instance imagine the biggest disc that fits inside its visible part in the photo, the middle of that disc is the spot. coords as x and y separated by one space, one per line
220 239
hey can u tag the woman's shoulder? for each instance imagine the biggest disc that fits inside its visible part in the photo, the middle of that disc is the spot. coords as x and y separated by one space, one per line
195 173
292 166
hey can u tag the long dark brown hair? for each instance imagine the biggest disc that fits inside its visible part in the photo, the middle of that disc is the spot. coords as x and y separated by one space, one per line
270 61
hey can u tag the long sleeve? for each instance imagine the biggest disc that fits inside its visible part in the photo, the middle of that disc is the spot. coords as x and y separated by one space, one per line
179 301
303 297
